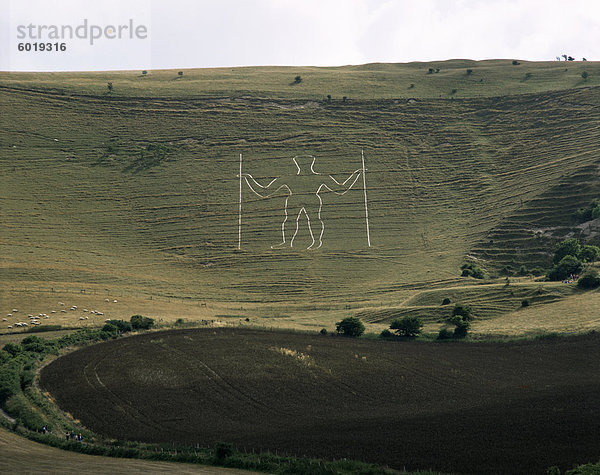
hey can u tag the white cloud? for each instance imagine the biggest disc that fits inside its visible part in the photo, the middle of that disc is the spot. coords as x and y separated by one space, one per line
186 33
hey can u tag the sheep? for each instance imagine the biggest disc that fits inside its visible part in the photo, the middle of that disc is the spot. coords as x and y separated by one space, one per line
81 318
14 310
63 311
99 313
10 326
46 317
85 309
107 300
115 301
87 318
9 315
24 324
53 311
5 320
30 315
61 304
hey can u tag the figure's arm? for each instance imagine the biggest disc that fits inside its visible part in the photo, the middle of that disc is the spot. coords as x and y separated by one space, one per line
341 188
260 190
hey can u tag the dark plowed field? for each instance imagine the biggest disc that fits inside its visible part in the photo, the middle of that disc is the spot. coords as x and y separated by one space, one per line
501 407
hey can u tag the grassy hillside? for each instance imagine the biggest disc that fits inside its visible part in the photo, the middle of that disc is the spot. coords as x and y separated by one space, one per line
17 458
135 193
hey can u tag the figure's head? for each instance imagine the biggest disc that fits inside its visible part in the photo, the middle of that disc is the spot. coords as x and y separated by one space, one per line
304 163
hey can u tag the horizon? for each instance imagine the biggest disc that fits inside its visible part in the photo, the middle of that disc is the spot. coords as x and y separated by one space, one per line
180 34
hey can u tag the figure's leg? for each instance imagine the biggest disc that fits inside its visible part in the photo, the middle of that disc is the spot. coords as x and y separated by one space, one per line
297 213
285 218
313 212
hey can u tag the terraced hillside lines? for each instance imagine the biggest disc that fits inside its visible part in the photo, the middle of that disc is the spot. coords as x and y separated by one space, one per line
477 408
81 206
527 237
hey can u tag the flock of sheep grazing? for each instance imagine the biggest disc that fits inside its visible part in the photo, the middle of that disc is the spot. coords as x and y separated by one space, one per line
36 319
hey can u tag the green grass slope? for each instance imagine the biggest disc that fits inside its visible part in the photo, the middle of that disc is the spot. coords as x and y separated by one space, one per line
449 175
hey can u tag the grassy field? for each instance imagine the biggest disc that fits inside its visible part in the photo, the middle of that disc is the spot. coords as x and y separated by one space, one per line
133 195
17 452
455 407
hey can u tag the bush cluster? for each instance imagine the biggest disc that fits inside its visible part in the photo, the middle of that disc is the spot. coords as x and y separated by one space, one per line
569 257
589 280
591 211
139 322
472 270
408 326
350 326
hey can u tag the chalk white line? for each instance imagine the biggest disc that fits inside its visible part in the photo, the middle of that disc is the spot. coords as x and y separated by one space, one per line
362 153
240 213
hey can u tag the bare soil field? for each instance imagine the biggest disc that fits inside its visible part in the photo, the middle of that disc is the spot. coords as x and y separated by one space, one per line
515 407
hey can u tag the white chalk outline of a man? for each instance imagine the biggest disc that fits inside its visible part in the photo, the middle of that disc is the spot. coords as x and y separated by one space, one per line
311 203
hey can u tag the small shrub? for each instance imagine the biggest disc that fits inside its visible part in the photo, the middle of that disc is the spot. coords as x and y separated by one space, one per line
138 322
323 331
122 325
515 62
525 303
223 450
144 73
528 76
472 270
344 99
446 301
444 334
27 378
10 382
408 326
589 253
592 211
469 72
411 86
350 326
584 75
298 79
109 86
522 271
13 349
589 280
180 73
109 328
430 71
453 91
328 97
462 326
19 407
385 334
463 311
567 266
179 321
568 247
437 70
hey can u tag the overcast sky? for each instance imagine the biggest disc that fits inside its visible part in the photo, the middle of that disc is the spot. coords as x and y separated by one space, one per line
209 33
